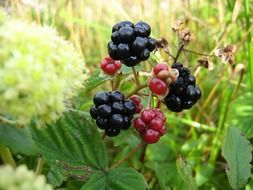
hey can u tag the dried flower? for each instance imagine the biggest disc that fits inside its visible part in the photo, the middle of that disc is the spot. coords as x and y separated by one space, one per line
205 62
185 37
162 43
179 24
226 54
21 178
39 71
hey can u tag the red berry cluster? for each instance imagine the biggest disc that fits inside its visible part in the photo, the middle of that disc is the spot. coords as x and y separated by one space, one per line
110 66
150 125
163 77
137 102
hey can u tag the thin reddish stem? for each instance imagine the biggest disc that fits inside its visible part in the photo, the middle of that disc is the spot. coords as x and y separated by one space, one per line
129 155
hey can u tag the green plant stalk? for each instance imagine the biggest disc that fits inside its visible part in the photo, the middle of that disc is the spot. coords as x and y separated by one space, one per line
249 45
221 126
136 89
39 166
7 156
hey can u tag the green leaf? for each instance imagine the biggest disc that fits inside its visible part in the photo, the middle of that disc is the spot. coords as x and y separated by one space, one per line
96 79
118 178
72 141
241 113
172 179
19 140
56 176
203 173
96 181
236 150
185 173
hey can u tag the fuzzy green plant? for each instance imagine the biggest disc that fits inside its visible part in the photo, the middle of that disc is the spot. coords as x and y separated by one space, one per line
39 72
21 179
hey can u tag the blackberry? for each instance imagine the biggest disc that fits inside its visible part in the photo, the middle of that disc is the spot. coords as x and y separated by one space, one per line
130 43
183 92
112 112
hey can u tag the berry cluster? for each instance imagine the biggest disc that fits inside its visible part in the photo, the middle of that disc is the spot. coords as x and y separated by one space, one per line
163 76
131 42
112 112
150 125
110 66
183 92
137 102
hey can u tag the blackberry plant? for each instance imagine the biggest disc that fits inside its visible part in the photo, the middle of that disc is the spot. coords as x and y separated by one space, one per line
144 105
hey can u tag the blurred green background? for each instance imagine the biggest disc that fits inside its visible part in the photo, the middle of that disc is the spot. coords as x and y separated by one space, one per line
227 89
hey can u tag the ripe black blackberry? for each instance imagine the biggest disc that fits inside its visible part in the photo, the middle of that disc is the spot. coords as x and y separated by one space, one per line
183 92
130 43
112 112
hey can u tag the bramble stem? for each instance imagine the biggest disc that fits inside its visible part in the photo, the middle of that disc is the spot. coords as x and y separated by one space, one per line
137 88
142 158
39 166
136 77
129 155
158 103
178 53
112 84
197 53
169 54
150 99
7 156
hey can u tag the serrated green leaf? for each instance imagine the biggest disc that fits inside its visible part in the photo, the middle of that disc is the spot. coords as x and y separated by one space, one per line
96 181
96 79
73 141
118 178
56 176
19 140
185 173
236 150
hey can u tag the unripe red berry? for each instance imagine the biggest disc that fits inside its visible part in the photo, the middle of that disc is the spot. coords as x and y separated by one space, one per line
108 59
117 64
110 66
163 75
110 69
151 136
159 67
162 131
160 115
103 64
147 115
158 86
136 100
139 125
139 108
156 124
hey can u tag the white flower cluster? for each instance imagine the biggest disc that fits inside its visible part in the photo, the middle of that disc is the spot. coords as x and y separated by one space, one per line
21 179
39 71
